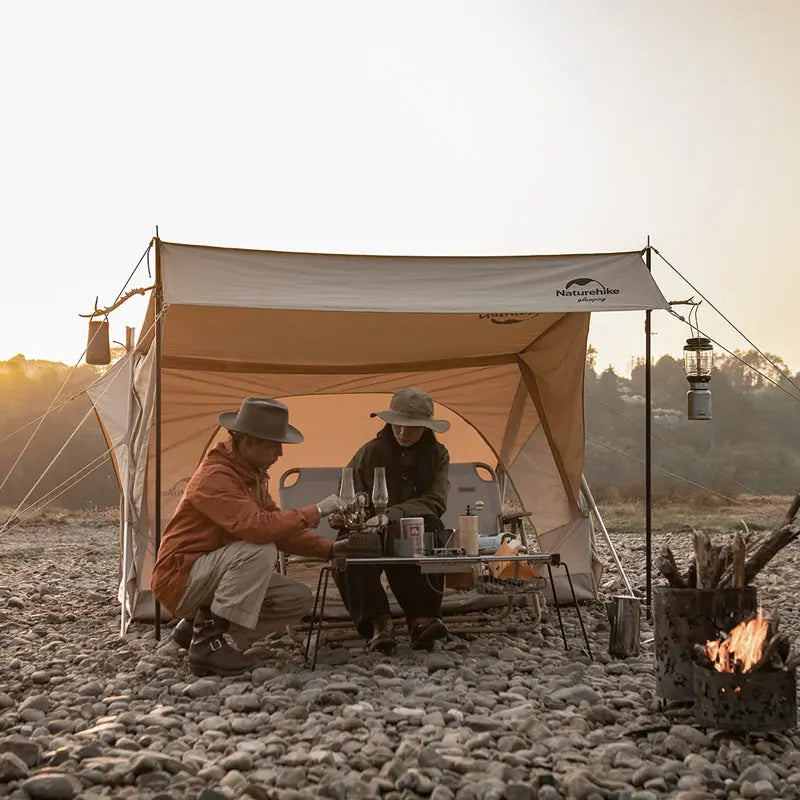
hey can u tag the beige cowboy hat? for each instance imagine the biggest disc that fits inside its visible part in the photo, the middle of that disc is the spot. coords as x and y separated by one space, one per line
262 418
412 408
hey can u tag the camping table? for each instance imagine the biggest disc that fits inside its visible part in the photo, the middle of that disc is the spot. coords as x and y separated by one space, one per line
439 564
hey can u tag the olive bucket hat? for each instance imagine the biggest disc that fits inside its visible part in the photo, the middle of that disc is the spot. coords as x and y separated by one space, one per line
413 408
262 418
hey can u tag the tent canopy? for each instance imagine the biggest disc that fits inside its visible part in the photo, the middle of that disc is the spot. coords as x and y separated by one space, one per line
498 342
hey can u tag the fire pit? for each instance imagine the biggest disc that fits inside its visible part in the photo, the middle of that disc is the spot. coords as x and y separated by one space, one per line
684 617
745 681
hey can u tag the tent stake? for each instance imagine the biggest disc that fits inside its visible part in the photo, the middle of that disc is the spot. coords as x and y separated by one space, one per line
648 485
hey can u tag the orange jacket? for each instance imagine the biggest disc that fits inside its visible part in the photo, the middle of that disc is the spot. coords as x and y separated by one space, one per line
227 500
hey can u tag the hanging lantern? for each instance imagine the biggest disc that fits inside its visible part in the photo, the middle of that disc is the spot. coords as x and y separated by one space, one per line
98 348
698 358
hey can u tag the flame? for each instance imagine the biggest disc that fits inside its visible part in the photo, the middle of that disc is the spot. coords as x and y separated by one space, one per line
743 647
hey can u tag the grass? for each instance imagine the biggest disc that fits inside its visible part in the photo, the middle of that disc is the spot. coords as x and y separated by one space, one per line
57 516
756 513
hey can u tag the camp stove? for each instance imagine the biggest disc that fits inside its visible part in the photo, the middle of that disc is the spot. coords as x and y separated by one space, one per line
745 681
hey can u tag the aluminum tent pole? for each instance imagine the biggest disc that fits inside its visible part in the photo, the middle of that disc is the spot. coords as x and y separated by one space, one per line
588 494
159 306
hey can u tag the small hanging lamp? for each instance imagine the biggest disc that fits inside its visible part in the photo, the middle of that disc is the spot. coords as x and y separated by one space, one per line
698 358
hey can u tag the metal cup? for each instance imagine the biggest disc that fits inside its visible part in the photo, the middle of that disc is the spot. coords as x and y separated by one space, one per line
624 614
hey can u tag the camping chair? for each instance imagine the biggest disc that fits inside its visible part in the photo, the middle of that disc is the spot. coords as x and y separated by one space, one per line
311 484
473 482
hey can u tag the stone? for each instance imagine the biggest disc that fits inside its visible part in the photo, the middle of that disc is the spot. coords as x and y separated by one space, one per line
54 786
21 746
12 767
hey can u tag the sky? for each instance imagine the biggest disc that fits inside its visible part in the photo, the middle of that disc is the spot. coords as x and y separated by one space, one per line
437 127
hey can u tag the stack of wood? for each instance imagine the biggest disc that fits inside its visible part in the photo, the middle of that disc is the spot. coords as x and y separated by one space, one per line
730 565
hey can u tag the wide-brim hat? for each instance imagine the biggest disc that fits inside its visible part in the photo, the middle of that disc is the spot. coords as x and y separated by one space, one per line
262 418
412 408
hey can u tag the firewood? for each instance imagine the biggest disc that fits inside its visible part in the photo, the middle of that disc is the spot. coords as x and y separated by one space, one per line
792 662
738 552
769 547
719 560
700 655
775 542
785 648
771 655
702 556
669 569
690 576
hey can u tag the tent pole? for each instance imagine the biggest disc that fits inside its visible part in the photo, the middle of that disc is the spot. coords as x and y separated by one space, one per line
596 511
123 509
648 483
159 307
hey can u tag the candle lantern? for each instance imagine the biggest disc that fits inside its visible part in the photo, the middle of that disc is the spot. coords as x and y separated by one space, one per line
698 358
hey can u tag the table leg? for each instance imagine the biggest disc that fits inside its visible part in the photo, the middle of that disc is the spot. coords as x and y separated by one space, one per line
578 611
314 617
327 571
558 609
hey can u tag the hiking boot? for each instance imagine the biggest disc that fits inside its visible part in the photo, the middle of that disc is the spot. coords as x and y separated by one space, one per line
425 631
209 653
383 639
182 633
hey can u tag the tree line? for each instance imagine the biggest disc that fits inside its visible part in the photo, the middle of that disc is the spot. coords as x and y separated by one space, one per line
752 444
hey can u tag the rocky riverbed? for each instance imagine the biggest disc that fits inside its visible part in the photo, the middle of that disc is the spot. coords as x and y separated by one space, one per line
85 713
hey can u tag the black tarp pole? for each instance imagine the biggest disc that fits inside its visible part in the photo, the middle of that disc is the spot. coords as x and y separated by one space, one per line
648 484
159 304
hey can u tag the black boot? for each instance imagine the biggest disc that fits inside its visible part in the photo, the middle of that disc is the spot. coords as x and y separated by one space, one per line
209 653
182 633
383 639
425 631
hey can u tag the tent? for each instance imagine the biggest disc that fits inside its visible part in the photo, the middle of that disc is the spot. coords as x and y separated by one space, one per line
498 342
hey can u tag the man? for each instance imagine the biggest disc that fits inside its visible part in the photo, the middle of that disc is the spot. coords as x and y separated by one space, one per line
216 563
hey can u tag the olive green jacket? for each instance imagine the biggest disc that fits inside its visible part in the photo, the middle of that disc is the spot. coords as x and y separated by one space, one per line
402 499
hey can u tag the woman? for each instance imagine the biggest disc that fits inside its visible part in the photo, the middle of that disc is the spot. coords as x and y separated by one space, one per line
417 468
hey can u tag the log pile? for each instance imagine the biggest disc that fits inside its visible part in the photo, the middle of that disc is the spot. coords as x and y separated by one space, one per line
733 564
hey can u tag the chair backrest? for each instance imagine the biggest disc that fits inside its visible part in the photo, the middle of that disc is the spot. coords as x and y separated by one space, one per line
311 485
470 481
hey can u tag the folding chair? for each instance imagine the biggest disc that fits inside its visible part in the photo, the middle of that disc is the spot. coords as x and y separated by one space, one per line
472 482
311 484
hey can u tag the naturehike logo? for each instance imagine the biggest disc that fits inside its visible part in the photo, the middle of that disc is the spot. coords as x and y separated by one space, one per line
507 319
596 293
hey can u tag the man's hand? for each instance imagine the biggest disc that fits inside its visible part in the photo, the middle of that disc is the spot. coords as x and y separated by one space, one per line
339 548
330 504
336 520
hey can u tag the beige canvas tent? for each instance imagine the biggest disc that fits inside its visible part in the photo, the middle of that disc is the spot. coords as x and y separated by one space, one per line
499 342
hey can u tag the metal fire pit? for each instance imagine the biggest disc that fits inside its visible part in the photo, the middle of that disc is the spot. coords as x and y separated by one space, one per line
764 700
686 617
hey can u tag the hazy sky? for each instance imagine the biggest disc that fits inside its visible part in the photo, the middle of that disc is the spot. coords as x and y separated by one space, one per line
431 127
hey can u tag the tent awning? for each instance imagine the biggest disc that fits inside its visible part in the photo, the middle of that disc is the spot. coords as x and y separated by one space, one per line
500 285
